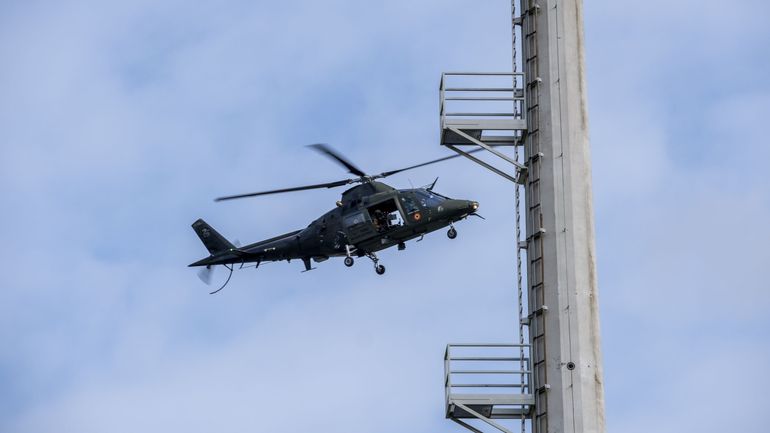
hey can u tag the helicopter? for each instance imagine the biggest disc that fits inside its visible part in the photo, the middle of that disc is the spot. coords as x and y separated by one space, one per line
369 217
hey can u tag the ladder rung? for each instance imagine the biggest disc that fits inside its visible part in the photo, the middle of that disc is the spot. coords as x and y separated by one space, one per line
489 385
488 372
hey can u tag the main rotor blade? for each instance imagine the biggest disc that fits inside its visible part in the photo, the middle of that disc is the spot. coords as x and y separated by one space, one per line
392 172
326 150
296 188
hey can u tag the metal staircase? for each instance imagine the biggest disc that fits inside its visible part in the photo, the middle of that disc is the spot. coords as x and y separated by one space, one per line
488 382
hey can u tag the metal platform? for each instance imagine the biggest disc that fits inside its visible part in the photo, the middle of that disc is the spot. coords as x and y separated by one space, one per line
485 109
484 105
487 382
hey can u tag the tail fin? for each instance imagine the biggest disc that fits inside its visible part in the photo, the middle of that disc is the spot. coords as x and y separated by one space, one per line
213 241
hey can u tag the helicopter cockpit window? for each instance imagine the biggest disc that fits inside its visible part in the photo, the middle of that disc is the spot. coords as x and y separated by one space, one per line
409 204
427 198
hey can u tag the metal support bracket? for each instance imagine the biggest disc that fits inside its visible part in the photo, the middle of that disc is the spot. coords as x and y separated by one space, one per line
482 417
466 425
482 163
521 169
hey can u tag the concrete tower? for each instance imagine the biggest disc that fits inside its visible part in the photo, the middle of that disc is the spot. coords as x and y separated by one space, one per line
561 279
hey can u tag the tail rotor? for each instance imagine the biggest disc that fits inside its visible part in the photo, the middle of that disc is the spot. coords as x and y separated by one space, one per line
205 274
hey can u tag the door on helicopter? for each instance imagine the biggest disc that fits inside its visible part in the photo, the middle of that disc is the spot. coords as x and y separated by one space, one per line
385 215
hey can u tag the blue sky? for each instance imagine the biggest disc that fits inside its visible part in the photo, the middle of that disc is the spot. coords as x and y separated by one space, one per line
120 122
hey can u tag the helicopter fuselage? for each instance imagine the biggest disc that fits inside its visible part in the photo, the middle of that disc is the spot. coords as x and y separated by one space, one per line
370 217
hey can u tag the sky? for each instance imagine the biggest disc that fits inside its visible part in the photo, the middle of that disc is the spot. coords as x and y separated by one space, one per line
121 121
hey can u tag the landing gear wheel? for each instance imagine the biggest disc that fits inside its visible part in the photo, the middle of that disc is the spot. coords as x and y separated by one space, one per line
377 266
452 233
348 261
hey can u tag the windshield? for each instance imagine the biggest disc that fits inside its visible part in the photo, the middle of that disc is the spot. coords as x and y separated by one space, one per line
428 198
409 204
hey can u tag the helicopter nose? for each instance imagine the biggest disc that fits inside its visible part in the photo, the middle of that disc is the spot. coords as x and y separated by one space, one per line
461 207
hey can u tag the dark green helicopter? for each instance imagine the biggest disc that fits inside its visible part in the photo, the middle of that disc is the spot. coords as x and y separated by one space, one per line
370 217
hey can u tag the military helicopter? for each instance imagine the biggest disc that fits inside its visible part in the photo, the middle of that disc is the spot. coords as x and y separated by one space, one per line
370 217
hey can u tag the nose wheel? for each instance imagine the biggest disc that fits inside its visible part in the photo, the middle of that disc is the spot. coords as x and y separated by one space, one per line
378 268
452 233
349 261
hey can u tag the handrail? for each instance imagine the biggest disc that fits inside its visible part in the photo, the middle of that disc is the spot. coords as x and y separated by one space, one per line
481 96
486 345
491 358
472 360
483 73
488 371
479 89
